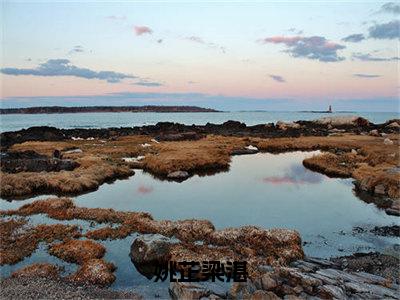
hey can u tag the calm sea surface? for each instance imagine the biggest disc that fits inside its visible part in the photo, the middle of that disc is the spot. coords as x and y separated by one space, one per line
104 120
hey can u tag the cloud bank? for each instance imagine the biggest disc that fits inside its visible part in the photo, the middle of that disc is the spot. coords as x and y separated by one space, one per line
370 57
390 30
63 67
314 47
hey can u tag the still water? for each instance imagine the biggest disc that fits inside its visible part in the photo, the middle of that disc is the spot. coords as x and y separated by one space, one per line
266 190
104 120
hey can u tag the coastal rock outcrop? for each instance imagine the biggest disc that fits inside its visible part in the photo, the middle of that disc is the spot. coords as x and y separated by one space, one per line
343 121
310 278
30 161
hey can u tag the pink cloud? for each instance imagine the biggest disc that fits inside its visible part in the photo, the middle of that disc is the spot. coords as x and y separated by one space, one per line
139 30
313 47
145 189
281 40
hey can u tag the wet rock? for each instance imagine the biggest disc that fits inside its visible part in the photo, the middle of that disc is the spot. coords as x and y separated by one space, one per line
95 271
38 270
392 211
151 248
393 230
247 150
178 175
373 263
78 251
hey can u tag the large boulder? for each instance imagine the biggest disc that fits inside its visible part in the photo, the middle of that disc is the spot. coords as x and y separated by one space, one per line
148 252
343 121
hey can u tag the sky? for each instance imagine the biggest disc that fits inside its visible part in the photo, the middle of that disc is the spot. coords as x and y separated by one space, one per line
238 55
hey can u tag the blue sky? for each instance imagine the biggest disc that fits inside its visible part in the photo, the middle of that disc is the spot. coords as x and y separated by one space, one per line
247 54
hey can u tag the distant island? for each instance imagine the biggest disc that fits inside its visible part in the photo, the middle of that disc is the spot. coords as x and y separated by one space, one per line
96 109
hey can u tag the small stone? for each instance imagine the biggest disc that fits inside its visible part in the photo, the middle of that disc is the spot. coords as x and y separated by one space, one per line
178 175
331 291
268 283
380 190
263 295
187 290
374 132
393 125
388 141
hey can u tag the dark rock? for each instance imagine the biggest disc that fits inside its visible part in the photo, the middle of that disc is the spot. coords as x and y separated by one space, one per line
30 161
393 230
149 251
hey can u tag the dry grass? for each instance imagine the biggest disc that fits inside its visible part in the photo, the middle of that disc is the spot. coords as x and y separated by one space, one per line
334 165
77 251
128 146
17 240
101 160
210 153
281 246
38 270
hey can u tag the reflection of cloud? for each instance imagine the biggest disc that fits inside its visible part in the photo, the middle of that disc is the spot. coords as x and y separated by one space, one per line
140 30
145 189
296 174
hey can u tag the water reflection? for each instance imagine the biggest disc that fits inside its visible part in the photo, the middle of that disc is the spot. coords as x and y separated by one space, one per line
145 189
296 174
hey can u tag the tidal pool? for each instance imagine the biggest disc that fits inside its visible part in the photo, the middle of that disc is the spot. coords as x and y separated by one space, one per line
266 190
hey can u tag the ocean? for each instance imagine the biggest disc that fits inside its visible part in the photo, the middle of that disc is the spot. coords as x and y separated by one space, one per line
14 122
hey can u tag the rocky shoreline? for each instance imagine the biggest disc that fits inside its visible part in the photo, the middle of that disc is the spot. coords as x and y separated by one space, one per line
166 131
42 160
